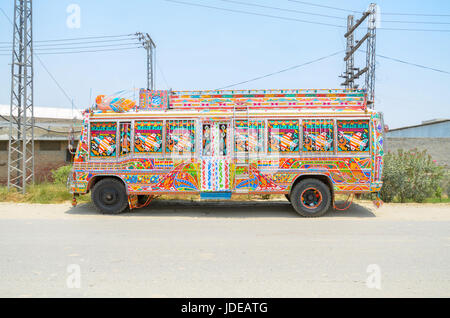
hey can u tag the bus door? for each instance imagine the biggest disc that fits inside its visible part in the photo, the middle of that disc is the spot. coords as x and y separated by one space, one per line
215 159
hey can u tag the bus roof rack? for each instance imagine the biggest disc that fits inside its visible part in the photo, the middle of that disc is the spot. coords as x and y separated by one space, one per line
253 99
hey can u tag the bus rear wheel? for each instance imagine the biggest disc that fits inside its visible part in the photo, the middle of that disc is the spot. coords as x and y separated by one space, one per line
311 198
109 196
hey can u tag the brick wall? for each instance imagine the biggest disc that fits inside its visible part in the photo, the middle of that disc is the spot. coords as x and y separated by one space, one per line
438 148
45 160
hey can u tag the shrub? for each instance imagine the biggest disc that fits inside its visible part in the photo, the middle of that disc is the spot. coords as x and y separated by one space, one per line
445 185
410 175
60 175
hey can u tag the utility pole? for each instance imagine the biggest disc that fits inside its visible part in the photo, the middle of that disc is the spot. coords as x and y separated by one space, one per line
21 126
370 54
349 64
150 47
352 46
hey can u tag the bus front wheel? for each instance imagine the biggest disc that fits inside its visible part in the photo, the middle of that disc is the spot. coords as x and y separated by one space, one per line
311 198
109 196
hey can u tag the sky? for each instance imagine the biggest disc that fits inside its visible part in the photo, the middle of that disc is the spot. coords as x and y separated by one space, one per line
205 48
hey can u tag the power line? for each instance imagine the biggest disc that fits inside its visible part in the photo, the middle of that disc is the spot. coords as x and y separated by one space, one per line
56 82
325 57
9 46
282 9
359 12
83 38
39 127
300 20
86 51
325 15
414 30
254 13
324 6
414 22
162 75
417 14
86 38
283 70
87 47
412 64
76 47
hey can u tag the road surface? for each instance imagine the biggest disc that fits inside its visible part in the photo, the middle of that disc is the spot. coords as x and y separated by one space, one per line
226 249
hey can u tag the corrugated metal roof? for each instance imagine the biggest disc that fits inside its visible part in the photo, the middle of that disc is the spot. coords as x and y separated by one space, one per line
46 128
424 123
429 129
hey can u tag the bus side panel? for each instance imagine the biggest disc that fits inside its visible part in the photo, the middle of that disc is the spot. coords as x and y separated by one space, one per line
150 176
142 175
378 151
350 174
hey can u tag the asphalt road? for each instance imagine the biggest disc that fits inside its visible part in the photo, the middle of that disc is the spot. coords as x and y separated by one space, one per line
231 249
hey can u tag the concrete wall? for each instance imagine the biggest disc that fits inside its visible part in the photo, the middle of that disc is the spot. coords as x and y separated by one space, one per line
432 130
438 148
45 160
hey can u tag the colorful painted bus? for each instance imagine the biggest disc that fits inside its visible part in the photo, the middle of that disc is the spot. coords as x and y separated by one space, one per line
306 144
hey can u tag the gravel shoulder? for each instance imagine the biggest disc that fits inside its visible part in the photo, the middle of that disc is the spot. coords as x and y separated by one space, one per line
227 209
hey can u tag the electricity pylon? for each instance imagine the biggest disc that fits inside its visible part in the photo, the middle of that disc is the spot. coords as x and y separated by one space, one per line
21 126
150 47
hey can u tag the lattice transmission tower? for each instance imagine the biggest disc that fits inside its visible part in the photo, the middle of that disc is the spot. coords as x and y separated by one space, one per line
351 73
150 47
21 127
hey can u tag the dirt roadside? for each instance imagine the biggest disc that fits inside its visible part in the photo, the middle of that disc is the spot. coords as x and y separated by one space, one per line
260 209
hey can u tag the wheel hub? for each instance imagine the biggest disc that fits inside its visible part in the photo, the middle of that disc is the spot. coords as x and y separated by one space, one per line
109 196
311 198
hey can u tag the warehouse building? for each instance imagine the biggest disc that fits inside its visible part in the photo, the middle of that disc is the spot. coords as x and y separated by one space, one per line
51 135
432 135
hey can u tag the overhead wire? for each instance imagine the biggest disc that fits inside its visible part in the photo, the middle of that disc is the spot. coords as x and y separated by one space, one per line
76 48
283 9
324 15
298 20
283 70
383 13
57 45
254 13
412 64
39 127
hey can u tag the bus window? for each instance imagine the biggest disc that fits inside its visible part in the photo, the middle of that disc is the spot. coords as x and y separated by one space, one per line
223 138
148 136
103 139
214 139
206 142
244 143
125 139
318 135
180 136
353 135
283 135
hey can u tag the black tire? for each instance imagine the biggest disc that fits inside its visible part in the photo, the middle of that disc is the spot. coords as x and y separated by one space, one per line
109 196
288 197
311 198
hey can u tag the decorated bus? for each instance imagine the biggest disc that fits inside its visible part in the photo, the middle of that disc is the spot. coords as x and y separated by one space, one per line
309 145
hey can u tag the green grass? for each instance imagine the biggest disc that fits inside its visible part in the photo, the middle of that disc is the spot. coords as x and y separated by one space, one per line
438 200
40 193
57 193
